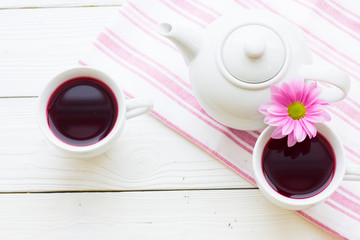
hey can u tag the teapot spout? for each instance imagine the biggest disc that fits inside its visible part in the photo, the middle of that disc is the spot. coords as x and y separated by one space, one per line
186 40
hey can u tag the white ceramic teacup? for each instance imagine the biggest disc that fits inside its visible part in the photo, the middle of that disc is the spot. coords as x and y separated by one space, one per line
126 109
341 172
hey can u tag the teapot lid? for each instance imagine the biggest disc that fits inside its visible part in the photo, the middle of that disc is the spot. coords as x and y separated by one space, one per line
253 53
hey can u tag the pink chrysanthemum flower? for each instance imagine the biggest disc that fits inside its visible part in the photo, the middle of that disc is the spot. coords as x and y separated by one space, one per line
294 109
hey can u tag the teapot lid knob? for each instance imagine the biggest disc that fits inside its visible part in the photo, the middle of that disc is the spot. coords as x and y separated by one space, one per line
254 48
253 53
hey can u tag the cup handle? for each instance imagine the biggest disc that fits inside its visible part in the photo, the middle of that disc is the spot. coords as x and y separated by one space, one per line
137 106
330 75
352 173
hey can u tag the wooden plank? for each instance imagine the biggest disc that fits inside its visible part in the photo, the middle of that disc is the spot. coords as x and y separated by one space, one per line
148 156
6 4
229 214
38 43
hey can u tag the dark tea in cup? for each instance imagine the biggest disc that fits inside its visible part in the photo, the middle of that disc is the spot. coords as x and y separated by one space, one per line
300 171
304 175
82 111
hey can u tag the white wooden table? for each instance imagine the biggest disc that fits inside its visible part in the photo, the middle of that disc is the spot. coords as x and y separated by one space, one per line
153 184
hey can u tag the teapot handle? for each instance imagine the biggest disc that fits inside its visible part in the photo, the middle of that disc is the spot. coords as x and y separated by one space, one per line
330 75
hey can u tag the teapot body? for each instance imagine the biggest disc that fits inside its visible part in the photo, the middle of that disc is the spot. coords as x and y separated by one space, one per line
224 97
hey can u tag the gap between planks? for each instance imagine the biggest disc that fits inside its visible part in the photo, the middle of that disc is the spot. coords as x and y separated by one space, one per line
140 190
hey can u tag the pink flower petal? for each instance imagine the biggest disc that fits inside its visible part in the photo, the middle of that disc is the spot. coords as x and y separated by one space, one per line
313 118
310 127
289 91
317 118
326 116
321 102
264 107
281 99
291 140
312 97
305 92
315 109
288 126
275 90
312 85
299 132
300 95
308 88
298 85
274 120
278 110
307 131
277 133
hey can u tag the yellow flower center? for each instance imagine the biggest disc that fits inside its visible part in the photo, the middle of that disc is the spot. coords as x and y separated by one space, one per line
296 110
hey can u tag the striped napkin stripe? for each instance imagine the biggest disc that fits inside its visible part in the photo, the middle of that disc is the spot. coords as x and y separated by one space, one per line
114 47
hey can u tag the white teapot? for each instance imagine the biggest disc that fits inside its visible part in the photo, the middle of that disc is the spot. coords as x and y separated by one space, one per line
234 62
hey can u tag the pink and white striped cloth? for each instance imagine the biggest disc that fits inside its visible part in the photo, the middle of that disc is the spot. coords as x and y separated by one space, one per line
147 64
